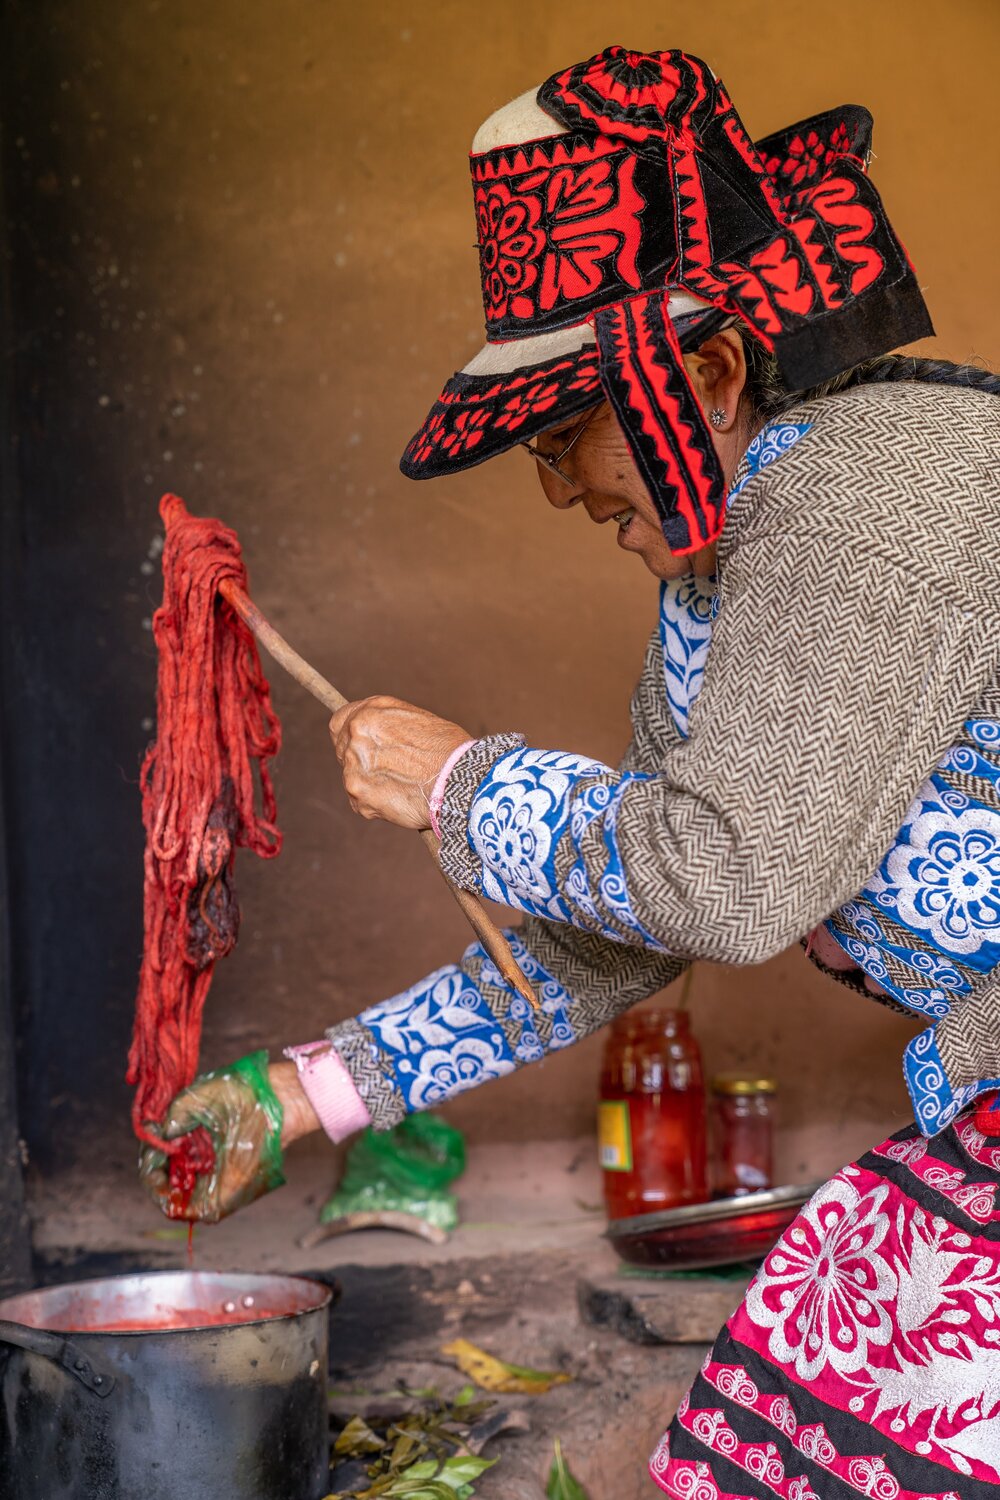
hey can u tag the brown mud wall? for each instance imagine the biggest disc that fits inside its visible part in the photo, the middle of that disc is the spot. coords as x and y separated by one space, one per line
242 267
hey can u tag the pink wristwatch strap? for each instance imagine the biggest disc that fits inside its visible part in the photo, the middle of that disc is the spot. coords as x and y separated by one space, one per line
330 1089
436 797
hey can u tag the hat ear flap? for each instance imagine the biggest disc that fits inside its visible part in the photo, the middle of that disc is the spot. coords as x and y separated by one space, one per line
643 375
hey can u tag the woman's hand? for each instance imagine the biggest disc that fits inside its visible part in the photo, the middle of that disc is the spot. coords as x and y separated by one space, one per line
250 1113
391 754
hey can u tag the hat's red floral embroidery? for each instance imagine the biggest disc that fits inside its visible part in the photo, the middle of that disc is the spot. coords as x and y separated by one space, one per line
427 438
557 234
540 395
803 159
593 218
840 143
467 431
510 243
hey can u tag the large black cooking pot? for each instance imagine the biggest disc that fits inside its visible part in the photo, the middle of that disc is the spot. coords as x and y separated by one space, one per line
100 1401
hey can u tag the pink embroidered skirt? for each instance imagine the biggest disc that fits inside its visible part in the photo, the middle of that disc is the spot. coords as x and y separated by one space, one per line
865 1357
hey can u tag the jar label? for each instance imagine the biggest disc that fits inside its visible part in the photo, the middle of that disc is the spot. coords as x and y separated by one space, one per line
614 1135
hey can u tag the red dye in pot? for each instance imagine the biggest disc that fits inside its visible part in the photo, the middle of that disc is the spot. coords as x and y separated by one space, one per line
161 1317
177 1318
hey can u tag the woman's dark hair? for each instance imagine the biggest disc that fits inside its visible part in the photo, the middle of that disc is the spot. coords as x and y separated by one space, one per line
767 397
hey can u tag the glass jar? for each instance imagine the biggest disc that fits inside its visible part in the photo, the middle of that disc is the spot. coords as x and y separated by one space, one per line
651 1117
742 1134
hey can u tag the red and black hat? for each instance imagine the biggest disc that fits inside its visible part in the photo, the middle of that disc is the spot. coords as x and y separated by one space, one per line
643 222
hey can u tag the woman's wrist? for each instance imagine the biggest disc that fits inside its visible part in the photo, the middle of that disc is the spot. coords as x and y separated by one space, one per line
299 1116
436 797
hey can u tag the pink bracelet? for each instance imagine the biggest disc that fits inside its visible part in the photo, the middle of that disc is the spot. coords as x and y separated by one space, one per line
330 1089
436 797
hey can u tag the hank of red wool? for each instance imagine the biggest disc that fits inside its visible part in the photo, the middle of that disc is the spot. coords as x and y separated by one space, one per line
214 723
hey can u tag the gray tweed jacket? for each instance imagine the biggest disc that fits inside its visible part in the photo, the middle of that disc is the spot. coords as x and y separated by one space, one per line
859 627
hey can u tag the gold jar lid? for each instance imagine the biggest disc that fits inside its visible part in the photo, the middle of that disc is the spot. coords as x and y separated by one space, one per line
742 1083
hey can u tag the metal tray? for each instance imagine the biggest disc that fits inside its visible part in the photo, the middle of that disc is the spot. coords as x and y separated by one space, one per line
718 1233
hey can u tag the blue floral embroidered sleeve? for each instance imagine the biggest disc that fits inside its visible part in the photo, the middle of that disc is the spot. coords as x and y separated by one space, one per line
442 1036
462 1025
537 807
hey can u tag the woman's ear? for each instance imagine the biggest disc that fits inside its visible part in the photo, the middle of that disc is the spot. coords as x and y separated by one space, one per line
718 372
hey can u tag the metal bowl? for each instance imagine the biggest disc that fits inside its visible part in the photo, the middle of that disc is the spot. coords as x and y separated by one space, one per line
719 1233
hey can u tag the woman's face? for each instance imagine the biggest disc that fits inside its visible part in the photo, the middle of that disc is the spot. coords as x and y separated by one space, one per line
606 481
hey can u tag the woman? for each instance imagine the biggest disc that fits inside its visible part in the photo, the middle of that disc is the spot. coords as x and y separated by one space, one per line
816 736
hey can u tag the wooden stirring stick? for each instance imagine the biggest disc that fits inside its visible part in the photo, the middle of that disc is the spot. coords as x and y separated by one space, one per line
296 666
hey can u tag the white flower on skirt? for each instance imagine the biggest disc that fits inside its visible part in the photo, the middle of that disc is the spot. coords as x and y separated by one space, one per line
824 1290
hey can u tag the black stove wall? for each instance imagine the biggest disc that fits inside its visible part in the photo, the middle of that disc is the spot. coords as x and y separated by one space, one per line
75 695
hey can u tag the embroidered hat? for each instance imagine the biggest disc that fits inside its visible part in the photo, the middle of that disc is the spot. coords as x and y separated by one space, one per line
624 216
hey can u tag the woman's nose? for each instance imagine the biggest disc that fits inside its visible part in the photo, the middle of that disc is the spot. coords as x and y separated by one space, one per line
558 493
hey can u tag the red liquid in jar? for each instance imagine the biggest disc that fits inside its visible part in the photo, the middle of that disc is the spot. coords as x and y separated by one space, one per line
652 1115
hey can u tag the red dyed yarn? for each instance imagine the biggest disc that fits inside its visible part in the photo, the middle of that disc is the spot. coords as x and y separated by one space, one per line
214 721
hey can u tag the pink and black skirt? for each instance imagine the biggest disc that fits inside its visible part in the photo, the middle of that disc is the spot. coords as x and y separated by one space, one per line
865 1357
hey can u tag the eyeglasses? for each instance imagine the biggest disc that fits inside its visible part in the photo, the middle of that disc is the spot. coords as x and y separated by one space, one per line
553 463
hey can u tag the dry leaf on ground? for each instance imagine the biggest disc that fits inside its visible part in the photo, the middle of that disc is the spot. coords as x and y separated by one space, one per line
492 1374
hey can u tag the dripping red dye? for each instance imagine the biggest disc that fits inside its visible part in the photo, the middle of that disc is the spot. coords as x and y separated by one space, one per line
195 1157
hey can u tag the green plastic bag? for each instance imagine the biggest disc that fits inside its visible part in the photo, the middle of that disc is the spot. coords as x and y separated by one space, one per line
403 1170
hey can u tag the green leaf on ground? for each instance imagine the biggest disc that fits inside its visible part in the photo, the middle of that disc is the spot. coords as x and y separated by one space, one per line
562 1485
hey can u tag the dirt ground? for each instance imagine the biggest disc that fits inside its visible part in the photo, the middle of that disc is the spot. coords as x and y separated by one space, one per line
524 1308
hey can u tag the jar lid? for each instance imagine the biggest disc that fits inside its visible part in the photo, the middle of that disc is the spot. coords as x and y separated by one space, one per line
742 1083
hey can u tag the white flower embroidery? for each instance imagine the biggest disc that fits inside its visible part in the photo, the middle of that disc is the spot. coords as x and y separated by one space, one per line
823 1291
979 1441
513 818
441 1074
428 1014
948 875
921 1278
940 1384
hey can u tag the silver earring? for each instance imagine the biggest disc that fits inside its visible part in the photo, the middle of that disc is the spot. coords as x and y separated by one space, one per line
717 416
